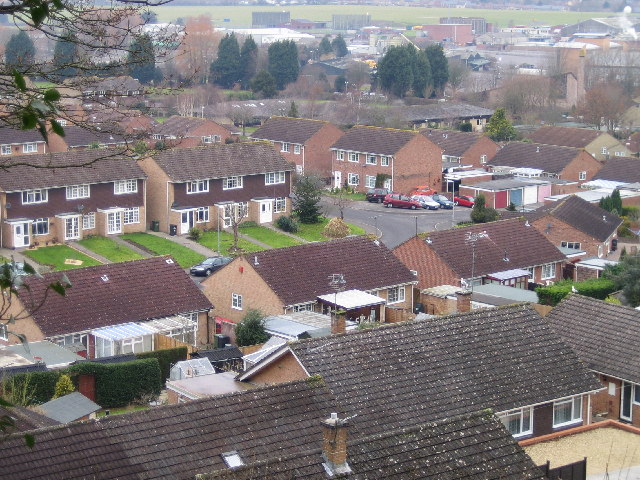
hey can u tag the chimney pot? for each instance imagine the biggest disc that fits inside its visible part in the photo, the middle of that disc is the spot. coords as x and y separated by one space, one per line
463 301
338 322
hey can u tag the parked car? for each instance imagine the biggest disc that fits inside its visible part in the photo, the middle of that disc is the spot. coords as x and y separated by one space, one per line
209 265
426 201
464 200
400 201
422 190
443 201
377 194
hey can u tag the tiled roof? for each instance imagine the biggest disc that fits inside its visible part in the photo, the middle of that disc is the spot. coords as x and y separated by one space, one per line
25 419
633 143
83 137
221 160
474 446
452 142
179 126
523 245
565 136
381 141
620 169
122 84
582 215
604 335
10 135
132 292
299 274
549 158
421 371
446 111
71 168
286 129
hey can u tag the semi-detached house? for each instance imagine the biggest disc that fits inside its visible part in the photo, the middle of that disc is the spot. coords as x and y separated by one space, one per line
200 186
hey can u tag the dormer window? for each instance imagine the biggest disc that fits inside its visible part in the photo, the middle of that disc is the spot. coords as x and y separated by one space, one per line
35 196
77 191
198 186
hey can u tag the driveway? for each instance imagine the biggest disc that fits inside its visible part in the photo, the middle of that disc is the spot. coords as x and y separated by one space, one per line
395 225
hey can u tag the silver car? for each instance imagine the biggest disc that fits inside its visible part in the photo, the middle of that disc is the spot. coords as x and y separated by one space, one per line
426 201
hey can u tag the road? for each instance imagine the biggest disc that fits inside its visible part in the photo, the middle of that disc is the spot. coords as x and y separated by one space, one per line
395 225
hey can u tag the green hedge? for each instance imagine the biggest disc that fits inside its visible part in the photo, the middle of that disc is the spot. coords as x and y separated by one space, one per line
599 288
166 358
40 386
121 384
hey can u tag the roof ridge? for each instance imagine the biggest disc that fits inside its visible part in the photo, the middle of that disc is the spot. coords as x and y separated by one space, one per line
372 127
299 118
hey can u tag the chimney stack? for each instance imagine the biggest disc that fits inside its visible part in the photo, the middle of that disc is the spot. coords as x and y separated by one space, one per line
338 322
463 301
334 446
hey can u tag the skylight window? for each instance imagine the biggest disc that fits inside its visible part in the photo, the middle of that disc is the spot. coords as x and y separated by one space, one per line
232 459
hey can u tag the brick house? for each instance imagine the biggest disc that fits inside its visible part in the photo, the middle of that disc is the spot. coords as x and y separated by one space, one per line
464 148
405 157
14 141
508 252
80 138
94 194
185 132
301 141
505 359
600 144
606 337
621 170
196 187
565 163
113 309
574 223
291 279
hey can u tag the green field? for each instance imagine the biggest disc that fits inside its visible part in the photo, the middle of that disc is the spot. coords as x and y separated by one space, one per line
240 16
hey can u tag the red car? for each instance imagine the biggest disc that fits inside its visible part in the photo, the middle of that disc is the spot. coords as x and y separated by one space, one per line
400 201
464 200
422 190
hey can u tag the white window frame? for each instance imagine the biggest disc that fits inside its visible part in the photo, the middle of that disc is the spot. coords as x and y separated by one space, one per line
40 195
4 333
573 245
483 159
279 205
353 179
114 223
274 178
545 275
286 147
576 416
395 295
75 192
198 186
604 150
340 155
304 307
619 154
132 343
131 215
635 398
89 221
40 221
354 157
232 183
125 186
371 160
519 414
207 139
29 147
6 150
297 148
74 232
384 161
202 214
582 175
236 301
370 181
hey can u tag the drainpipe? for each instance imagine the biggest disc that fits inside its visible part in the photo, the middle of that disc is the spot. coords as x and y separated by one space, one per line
168 207
303 149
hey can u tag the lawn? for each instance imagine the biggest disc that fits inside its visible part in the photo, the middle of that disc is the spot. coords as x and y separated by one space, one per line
160 246
355 196
210 240
120 411
55 256
110 249
268 236
313 232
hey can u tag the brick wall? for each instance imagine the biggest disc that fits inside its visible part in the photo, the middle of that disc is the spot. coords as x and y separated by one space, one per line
317 156
561 231
159 197
608 406
582 162
483 146
432 271
284 369
24 325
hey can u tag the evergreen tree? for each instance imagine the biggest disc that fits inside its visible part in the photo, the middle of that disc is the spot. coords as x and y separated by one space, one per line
264 84
306 201
480 213
325 46
142 60
340 84
225 70
284 65
248 60
439 66
20 52
395 71
64 386
339 47
64 56
250 331
499 128
422 80
626 276
293 110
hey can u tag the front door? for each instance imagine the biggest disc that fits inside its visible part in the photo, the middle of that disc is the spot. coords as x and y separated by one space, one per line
114 223
625 403
71 228
186 222
21 235
266 211
338 179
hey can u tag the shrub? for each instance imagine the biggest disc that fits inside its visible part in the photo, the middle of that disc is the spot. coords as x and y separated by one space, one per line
287 224
64 386
31 388
599 288
250 331
336 228
166 358
194 234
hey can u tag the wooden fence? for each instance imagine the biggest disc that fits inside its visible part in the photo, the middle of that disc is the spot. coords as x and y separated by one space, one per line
572 471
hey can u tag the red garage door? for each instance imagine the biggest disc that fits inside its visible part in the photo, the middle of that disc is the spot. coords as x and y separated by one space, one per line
501 199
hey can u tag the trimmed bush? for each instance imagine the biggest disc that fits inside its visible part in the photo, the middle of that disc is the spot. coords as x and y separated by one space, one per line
31 388
166 358
287 224
599 288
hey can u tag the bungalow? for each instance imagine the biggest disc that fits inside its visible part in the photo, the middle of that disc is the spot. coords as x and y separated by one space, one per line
566 163
403 158
464 148
508 252
600 144
88 192
301 141
448 115
505 359
113 309
359 274
184 132
606 337
204 186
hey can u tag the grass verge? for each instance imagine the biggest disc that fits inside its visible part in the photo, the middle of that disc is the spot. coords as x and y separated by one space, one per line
56 255
210 240
160 246
109 249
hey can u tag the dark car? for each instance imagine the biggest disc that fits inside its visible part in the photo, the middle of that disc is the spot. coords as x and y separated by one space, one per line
400 201
210 265
443 201
377 194
464 200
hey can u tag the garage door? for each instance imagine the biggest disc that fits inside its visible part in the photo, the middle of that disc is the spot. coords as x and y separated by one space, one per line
530 194
544 191
501 199
516 196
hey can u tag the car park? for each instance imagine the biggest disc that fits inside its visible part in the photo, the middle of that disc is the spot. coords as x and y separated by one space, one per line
443 201
377 194
400 201
209 265
464 200
426 201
